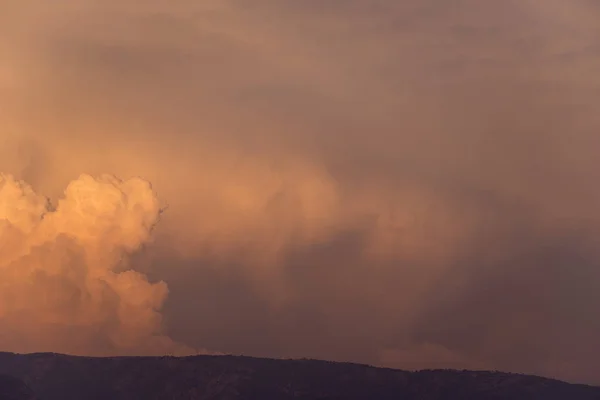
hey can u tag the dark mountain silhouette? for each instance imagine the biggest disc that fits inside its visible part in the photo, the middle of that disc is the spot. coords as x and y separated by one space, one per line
54 376
12 388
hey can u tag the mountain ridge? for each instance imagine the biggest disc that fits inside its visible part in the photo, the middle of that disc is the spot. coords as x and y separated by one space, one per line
57 376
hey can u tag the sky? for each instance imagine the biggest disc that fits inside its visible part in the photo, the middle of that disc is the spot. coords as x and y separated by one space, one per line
410 184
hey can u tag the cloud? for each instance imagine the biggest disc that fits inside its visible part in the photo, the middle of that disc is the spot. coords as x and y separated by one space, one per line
347 180
65 282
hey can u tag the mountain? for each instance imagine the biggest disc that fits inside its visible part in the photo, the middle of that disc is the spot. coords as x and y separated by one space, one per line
55 376
12 388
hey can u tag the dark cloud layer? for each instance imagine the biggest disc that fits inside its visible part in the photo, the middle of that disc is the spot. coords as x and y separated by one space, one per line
409 183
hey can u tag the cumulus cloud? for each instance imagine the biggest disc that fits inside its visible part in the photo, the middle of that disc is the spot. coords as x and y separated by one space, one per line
66 285
381 181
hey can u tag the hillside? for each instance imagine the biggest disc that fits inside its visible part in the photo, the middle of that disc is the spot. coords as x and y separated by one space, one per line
53 377
12 388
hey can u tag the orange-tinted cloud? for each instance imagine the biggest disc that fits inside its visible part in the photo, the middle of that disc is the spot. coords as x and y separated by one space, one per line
66 286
